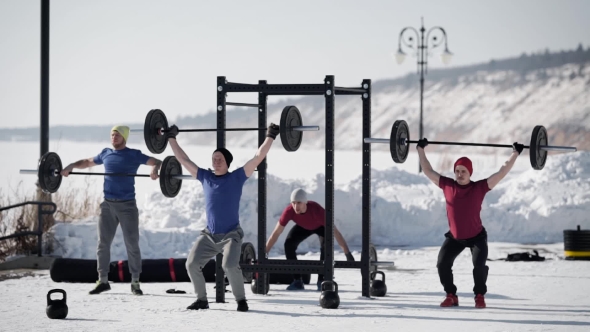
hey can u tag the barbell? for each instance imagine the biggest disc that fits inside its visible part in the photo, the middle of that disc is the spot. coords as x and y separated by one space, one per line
399 142
156 125
50 167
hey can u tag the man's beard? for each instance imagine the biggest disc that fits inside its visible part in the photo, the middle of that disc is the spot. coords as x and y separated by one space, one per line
118 146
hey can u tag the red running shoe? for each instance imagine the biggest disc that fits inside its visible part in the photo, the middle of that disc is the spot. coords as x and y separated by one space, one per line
480 302
450 301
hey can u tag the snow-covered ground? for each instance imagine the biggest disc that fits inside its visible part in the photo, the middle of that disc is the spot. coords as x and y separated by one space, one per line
522 296
528 210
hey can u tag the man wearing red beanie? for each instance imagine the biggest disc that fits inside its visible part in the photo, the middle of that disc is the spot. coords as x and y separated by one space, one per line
464 198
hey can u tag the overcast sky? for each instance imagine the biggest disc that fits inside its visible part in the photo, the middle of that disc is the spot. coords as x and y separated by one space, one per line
112 61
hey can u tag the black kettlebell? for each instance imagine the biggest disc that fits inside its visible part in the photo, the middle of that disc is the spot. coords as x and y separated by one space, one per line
56 309
378 287
256 278
329 298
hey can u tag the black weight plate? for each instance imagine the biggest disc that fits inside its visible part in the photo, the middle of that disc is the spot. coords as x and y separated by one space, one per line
170 186
399 151
291 139
248 255
256 282
49 172
575 240
538 156
154 122
373 258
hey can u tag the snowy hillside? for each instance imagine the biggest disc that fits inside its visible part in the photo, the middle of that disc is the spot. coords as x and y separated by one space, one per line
489 107
499 101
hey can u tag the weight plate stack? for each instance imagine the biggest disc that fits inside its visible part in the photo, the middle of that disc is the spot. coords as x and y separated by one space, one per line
576 244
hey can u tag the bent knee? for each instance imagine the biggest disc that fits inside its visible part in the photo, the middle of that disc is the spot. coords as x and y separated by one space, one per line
192 265
290 245
444 266
228 265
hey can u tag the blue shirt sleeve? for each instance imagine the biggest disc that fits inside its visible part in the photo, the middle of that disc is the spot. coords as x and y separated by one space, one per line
201 173
98 158
141 158
240 174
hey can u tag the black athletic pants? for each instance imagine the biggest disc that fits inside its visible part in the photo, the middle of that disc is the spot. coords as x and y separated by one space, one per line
451 248
298 234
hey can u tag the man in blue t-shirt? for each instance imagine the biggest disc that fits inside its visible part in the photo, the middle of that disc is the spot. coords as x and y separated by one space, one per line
223 233
119 205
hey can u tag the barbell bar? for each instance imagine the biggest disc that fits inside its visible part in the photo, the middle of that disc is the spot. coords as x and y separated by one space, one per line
162 131
406 141
50 178
56 173
400 140
156 125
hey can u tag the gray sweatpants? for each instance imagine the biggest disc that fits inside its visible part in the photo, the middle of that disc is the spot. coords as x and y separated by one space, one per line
113 213
207 246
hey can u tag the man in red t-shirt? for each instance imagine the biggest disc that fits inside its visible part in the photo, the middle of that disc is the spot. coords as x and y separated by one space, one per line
464 198
309 218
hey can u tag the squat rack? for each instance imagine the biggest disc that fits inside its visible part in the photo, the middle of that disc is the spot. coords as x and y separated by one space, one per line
329 90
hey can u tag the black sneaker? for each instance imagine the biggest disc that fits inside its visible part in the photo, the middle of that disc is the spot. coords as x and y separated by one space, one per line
100 287
199 304
242 305
135 288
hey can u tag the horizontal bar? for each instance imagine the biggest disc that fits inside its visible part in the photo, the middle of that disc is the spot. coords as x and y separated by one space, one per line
180 177
558 148
294 128
294 262
405 142
278 89
304 128
18 235
214 129
242 104
377 140
349 91
38 203
286 269
541 147
315 263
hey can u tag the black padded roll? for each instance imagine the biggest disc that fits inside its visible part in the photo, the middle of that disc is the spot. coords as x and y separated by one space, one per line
153 270
73 270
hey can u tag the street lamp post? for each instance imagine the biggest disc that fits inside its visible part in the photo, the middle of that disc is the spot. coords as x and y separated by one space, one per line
420 47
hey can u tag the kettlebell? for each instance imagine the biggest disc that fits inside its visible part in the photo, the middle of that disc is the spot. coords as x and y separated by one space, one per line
256 278
378 287
56 309
329 298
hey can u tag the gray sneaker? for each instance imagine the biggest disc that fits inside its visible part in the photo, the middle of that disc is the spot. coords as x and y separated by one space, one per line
135 288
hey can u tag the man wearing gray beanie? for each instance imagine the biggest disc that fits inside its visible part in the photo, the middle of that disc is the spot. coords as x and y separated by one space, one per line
309 218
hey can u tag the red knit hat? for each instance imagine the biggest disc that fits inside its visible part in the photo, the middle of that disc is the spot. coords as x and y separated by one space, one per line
464 161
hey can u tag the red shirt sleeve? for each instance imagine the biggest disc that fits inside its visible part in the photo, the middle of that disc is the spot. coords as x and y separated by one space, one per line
286 216
483 186
444 181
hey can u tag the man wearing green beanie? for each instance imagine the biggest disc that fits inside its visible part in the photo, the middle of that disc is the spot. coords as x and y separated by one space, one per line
119 205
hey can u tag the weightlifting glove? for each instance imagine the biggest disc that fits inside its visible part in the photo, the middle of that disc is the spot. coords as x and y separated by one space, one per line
349 257
517 147
272 131
422 143
172 132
